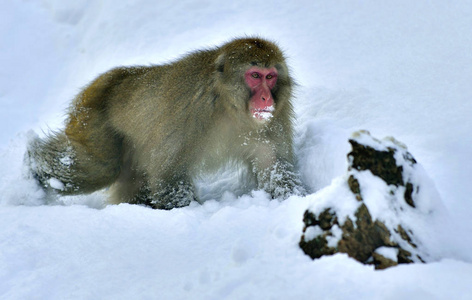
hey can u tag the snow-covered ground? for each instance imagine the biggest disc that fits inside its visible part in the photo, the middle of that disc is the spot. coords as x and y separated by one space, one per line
399 68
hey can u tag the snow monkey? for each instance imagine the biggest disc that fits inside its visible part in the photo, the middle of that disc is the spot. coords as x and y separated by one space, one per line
147 131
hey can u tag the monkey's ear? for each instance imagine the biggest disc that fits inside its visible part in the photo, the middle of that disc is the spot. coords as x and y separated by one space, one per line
220 63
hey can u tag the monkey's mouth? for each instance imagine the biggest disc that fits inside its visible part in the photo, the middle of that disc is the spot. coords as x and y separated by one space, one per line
262 114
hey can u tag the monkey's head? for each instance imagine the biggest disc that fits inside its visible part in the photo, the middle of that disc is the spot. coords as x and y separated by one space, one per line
255 77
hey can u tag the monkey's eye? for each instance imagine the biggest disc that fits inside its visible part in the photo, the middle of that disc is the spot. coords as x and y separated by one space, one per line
255 75
269 76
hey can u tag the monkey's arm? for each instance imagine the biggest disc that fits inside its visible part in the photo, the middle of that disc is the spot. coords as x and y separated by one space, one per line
274 168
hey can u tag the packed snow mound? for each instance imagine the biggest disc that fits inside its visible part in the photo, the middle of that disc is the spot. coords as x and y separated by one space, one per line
377 213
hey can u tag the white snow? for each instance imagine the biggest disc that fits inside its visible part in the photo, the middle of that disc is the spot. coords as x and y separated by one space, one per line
335 238
400 68
313 232
388 252
67 160
56 184
264 115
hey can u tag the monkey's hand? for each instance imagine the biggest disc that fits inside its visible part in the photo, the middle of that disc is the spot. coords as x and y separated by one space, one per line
280 181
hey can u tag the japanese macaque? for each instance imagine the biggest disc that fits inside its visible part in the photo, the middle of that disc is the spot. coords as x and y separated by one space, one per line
146 131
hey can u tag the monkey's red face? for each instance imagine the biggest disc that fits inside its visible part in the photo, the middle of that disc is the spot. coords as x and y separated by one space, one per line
261 81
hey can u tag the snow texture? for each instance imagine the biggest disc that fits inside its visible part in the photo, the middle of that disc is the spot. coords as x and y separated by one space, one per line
399 69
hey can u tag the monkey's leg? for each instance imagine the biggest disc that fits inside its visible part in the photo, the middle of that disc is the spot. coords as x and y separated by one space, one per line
177 191
131 186
67 167
164 196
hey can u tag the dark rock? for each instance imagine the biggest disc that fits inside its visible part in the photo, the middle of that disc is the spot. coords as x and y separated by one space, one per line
380 163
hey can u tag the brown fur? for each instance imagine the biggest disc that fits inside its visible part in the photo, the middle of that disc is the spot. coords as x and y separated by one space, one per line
146 131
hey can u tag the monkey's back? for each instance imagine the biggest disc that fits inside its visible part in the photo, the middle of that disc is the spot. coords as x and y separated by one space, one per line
161 112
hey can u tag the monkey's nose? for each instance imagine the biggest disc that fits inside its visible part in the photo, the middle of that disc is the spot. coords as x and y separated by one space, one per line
266 98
